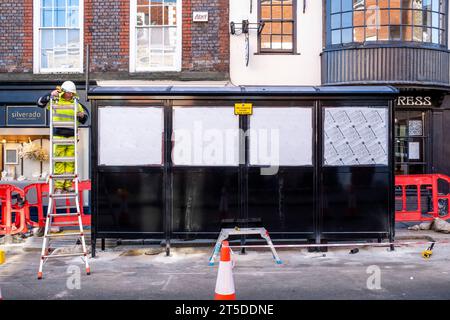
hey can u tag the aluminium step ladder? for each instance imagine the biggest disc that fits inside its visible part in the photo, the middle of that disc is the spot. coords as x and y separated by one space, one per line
52 211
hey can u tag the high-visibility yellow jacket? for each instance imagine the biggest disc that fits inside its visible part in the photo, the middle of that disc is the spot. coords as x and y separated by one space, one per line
63 114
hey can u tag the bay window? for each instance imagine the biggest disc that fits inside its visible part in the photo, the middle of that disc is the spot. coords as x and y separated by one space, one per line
365 21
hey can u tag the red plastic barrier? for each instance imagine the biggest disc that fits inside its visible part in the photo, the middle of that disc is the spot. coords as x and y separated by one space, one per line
73 221
414 189
40 189
13 216
42 192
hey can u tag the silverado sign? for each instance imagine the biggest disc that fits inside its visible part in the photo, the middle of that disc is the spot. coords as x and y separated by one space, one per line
25 116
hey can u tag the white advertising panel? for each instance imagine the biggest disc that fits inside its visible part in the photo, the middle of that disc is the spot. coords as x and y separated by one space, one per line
281 136
130 136
205 136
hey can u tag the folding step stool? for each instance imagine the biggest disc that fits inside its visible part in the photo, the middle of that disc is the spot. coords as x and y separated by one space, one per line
226 232
53 207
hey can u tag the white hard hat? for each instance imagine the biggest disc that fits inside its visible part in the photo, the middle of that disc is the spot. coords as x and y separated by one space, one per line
69 86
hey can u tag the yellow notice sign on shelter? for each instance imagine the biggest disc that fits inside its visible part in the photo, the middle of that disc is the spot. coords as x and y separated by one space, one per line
243 109
2 257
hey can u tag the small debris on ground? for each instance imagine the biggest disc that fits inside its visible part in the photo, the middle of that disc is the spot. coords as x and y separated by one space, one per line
437 225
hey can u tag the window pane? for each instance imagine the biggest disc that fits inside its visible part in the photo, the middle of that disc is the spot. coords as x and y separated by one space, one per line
60 3
358 18
287 43
406 33
418 34
142 48
47 3
170 13
383 33
265 41
347 19
435 23
426 4
170 37
372 17
347 35
396 16
347 5
47 39
383 4
60 17
435 36
417 4
142 16
427 18
156 58
435 5
371 33
47 18
335 21
384 17
73 3
73 38
287 28
73 18
60 38
287 12
60 58
426 34
336 37
169 60
156 15
156 38
276 28
407 4
265 12
418 17
358 34
276 12
407 17
73 57
395 4
395 33
358 4
335 6
276 42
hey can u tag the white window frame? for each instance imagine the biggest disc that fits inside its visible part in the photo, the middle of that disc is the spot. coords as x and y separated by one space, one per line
37 41
177 56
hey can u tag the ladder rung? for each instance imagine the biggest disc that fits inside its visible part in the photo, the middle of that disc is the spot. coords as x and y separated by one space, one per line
65 107
63 141
64 255
63 124
79 234
63 176
64 195
71 214
66 207
63 159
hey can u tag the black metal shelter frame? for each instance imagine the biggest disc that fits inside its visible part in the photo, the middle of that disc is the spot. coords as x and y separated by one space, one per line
316 207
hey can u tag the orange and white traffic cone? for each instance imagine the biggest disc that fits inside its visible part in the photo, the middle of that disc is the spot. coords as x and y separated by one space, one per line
225 282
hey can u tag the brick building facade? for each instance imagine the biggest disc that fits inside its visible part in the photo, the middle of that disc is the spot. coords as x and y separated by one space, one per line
106 29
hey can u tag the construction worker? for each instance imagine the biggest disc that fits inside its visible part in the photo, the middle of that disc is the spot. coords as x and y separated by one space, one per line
64 95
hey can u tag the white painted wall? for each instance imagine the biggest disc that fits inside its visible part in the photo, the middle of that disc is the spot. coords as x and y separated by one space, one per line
302 68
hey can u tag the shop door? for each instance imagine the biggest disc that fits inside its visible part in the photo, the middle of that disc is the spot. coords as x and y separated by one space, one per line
411 142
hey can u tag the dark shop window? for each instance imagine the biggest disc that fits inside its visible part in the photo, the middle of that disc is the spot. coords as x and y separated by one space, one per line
363 21
278 34
411 142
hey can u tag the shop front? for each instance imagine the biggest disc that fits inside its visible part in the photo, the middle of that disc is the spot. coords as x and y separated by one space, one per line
313 163
24 138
